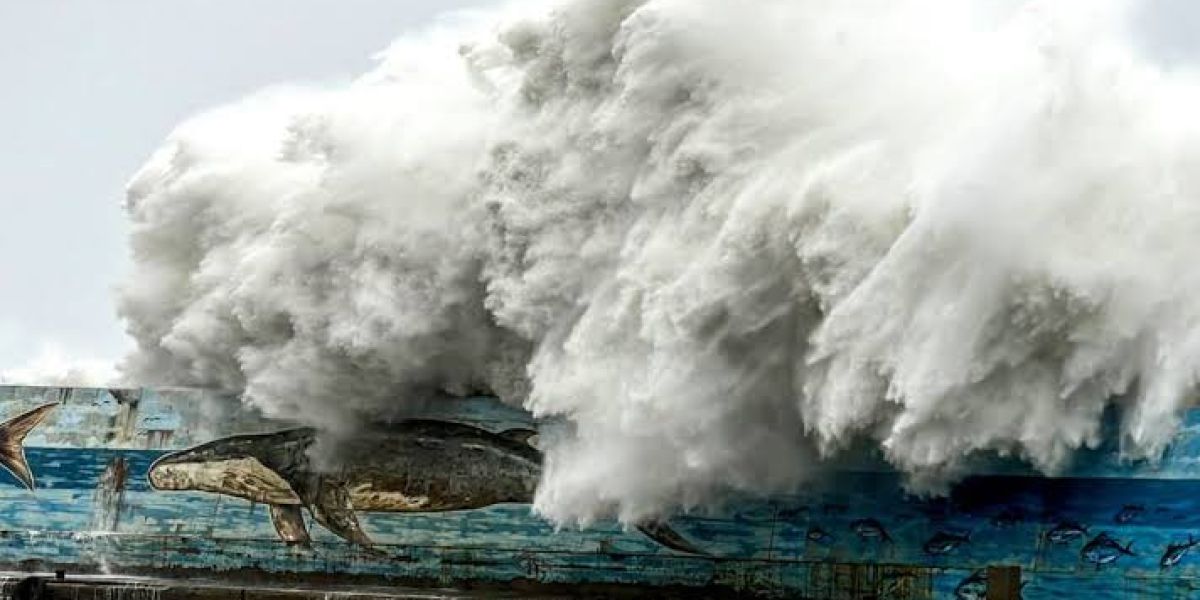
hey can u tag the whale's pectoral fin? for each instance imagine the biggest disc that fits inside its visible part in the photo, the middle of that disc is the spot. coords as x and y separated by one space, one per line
12 440
289 523
666 536
333 509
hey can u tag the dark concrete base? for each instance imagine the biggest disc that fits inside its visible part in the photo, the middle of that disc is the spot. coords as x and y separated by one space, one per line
26 586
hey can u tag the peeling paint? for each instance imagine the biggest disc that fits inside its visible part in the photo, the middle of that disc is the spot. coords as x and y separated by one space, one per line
94 510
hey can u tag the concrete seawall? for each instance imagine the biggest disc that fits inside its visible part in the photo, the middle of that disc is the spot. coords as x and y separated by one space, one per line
1108 529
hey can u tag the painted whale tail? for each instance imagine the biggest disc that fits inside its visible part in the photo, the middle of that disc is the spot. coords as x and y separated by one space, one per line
12 440
666 536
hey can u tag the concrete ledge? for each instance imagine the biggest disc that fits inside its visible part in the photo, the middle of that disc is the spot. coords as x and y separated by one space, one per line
19 586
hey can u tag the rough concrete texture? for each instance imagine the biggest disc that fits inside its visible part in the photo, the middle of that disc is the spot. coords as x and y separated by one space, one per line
16 586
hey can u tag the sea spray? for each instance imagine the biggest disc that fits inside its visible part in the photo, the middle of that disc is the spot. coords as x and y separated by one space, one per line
719 243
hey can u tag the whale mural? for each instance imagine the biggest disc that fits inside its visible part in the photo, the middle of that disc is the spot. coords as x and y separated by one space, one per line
417 465
188 483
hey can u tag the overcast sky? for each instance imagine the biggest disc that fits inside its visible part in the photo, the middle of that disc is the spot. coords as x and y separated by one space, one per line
92 88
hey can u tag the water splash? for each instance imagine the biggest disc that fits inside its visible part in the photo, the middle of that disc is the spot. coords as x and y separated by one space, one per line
718 244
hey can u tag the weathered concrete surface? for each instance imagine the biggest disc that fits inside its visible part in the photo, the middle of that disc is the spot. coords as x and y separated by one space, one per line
16 586
857 535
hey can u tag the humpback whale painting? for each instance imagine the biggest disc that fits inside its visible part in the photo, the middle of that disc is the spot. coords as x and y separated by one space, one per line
418 465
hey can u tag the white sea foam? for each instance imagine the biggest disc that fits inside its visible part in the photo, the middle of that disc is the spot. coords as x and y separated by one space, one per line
719 242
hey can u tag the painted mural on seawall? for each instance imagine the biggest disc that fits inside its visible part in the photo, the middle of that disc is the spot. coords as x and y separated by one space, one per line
156 481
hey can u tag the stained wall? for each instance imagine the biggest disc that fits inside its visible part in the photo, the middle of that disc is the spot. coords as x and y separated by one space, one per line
852 533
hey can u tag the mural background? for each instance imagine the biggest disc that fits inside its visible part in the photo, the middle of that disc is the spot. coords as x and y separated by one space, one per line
94 510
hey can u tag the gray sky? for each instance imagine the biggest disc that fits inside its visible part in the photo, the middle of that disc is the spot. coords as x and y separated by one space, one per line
90 90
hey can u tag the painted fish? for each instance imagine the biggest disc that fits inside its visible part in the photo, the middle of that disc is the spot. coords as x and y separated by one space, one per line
870 528
834 508
1175 553
1103 549
1129 513
819 536
12 442
1066 532
792 513
1008 517
418 465
972 587
943 542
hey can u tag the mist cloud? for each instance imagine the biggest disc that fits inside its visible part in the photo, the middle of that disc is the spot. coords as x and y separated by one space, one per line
719 243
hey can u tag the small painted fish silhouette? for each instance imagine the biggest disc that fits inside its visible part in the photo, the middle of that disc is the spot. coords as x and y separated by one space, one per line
1065 532
833 508
793 513
819 536
1008 517
870 528
1103 549
1128 513
973 587
1175 553
943 542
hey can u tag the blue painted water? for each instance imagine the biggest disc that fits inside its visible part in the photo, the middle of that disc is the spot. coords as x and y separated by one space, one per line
1006 518
793 545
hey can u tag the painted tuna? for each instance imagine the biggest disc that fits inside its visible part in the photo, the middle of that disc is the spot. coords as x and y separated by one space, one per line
1175 552
972 587
975 585
870 528
12 442
1009 517
819 536
1103 549
944 543
1066 532
1129 513
418 465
